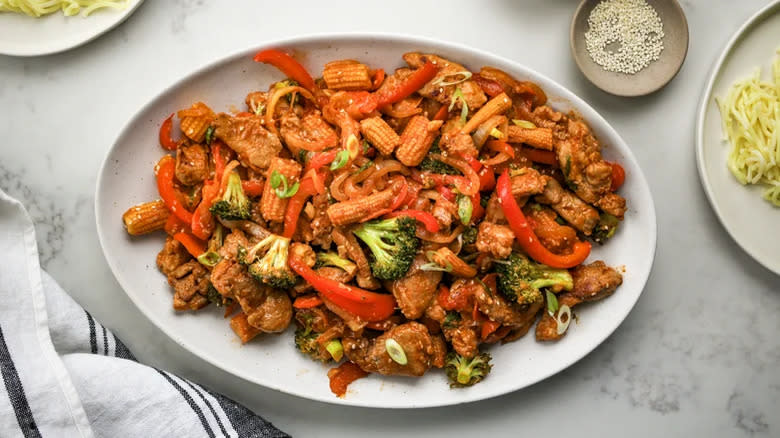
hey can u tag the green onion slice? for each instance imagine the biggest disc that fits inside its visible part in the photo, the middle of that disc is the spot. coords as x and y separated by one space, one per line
524 124
465 209
341 160
552 303
496 133
280 185
563 319
395 351
335 349
457 78
209 134
209 258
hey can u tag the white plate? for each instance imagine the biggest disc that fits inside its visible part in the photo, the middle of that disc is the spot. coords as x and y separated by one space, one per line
21 35
127 179
751 221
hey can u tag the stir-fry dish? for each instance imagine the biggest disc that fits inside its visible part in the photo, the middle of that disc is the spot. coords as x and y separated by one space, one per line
401 221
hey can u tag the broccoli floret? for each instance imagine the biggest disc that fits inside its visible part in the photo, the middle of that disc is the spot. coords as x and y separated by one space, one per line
605 229
306 342
451 320
272 268
233 205
469 235
434 166
211 257
333 259
466 372
520 279
393 245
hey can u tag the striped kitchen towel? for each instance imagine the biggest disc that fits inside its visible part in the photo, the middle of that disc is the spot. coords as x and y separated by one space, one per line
65 375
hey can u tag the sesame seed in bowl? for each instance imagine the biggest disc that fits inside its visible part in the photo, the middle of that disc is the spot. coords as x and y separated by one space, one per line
629 47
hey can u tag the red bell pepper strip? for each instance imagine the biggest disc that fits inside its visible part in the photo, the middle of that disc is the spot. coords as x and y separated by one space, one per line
488 327
487 179
441 114
618 176
288 66
501 146
526 236
307 302
252 187
175 225
477 210
426 218
460 301
367 305
488 86
295 206
379 77
321 159
192 244
446 193
540 156
245 114
341 376
165 170
202 220
165 134
412 83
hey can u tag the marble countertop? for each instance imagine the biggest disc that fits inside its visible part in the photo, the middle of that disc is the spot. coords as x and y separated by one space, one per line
699 354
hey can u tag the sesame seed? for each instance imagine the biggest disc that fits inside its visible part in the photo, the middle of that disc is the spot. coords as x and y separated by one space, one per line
624 35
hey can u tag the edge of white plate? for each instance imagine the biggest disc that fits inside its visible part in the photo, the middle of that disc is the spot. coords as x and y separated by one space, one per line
71 44
707 96
202 354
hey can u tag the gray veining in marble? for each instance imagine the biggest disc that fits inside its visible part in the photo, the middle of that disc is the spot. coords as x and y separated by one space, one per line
698 356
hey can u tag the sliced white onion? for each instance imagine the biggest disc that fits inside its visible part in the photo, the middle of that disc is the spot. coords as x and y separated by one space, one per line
561 324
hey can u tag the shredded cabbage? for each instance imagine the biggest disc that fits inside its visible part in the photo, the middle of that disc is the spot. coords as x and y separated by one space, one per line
37 8
750 115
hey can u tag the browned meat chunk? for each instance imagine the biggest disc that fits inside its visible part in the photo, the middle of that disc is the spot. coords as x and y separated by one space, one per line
454 141
495 240
528 182
415 292
311 132
595 281
472 93
256 101
613 204
172 256
246 136
463 337
547 329
349 248
444 211
192 164
576 212
492 303
190 283
554 236
422 351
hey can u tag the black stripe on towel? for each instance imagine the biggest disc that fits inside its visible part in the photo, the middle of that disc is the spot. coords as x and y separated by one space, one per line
190 401
208 405
15 391
244 421
121 350
105 341
92 333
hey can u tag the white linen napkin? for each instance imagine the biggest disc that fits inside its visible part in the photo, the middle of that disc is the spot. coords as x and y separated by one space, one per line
66 375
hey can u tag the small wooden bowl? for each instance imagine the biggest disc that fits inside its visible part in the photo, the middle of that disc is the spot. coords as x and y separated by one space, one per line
653 77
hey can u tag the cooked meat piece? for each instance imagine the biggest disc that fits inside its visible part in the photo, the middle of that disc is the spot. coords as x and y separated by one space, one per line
595 281
255 100
415 291
444 211
436 312
492 303
189 196
304 253
439 351
320 224
310 132
190 283
421 349
529 182
613 204
547 328
579 155
529 317
172 256
192 164
495 240
493 212
246 136
472 92
336 274
273 315
463 337
349 248
455 142
554 236
573 209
